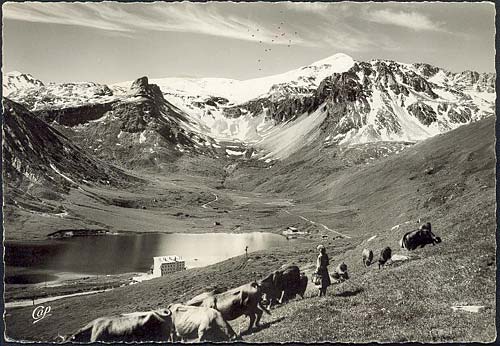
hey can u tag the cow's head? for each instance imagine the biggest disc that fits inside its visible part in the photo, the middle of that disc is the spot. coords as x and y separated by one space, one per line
255 284
171 307
342 267
265 299
427 228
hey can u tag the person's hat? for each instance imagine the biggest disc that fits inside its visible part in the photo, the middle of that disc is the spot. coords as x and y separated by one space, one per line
320 247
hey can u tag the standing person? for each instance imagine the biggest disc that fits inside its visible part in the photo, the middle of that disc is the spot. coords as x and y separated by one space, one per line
322 270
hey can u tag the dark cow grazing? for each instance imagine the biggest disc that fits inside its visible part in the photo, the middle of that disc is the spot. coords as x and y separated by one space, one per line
135 327
420 237
367 257
303 285
385 255
201 323
243 300
340 274
282 285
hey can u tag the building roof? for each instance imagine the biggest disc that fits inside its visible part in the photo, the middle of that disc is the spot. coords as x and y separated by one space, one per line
167 259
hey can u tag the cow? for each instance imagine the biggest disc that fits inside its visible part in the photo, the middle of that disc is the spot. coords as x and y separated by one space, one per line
385 255
420 237
242 300
367 257
201 323
282 285
340 274
302 285
135 327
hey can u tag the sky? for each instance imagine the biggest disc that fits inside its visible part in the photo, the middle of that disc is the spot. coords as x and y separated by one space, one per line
110 42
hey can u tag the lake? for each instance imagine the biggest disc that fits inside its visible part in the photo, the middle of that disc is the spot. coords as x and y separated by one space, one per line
36 262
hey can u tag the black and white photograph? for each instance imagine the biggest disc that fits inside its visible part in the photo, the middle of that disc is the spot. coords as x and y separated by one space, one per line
258 172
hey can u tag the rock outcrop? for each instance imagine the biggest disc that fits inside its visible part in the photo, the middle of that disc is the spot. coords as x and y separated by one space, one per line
72 116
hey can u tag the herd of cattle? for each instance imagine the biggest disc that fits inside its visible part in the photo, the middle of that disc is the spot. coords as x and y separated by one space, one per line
409 241
204 317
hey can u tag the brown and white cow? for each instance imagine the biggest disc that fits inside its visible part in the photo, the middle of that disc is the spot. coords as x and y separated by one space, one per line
201 323
135 327
367 257
242 300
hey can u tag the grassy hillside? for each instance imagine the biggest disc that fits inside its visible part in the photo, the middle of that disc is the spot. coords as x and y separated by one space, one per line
448 180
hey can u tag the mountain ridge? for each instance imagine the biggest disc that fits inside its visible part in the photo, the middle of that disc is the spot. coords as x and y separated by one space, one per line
353 102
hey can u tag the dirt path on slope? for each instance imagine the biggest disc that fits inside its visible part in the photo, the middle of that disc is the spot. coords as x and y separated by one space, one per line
204 206
319 224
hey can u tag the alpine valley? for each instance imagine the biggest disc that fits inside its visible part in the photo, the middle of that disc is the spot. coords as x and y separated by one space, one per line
350 154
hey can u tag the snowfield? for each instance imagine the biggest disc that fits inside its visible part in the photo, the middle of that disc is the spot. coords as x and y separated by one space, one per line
241 91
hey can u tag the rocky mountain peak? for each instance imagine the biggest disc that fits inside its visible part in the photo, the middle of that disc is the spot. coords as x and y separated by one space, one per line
476 81
426 70
141 87
341 87
140 83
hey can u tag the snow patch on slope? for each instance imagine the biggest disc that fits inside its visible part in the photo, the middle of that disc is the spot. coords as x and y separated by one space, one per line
61 174
285 139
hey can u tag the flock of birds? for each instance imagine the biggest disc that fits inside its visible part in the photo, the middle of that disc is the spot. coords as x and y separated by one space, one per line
281 33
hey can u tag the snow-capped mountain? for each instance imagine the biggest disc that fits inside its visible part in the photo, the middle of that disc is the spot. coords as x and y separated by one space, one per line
241 91
203 99
15 80
338 99
140 128
335 101
132 125
58 96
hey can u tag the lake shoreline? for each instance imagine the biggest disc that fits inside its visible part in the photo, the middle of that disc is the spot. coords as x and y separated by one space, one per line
15 293
70 281
112 233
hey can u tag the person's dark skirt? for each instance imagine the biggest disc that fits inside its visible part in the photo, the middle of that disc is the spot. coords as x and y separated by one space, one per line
325 277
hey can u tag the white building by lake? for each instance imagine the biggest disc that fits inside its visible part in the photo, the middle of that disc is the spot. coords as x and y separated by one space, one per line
163 265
